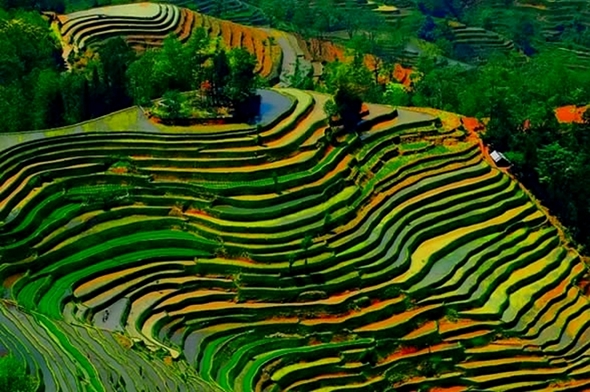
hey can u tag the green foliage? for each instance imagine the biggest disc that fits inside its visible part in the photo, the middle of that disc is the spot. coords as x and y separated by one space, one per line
523 33
291 260
395 94
277 11
431 366
330 108
301 78
482 17
327 221
452 314
351 84
433 29
14 376
35 90
354 74
574 32
172 104
242 79
328 16
442 8
144 83
306 242
219 75
29 73
115 58
37 93
174 67
348 106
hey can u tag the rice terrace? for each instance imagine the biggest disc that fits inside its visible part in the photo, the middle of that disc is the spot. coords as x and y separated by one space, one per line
280 196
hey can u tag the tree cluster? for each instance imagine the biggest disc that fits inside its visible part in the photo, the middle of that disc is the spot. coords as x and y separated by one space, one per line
227 77
37 92
14 376
29 72
58 6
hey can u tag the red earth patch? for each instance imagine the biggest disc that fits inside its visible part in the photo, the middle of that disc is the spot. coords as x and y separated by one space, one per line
570 114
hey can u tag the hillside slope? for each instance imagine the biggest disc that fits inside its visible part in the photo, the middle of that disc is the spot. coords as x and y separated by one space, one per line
71 357
392 259
146 25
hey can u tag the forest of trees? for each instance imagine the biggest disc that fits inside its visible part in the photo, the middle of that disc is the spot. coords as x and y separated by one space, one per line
37 93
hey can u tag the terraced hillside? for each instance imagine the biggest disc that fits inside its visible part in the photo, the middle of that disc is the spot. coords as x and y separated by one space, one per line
555 14
77 358
480 41
234 10
145 25
394 258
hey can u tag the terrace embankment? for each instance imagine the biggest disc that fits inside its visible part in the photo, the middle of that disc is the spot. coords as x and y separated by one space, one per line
392 258
147 25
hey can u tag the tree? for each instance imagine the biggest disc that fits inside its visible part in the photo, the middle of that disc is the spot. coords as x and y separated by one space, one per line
174 67
523 34
301 17
382 49
47 102
501 126
354 19
242 78
396 94
326 17
144 83
306 243
14 376
481 16
461 52
12 106
291 260
195 53
98 91
427 29
220 74
171 105
115 57
278 11
348 106
354 74
171 64
301 78
75 95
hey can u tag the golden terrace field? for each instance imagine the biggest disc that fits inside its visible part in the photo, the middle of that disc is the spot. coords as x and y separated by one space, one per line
392 259
146 25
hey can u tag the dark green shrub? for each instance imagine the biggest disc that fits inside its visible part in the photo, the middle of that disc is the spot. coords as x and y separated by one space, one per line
14 376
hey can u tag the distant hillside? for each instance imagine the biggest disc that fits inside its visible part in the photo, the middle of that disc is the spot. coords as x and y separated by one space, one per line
145 25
